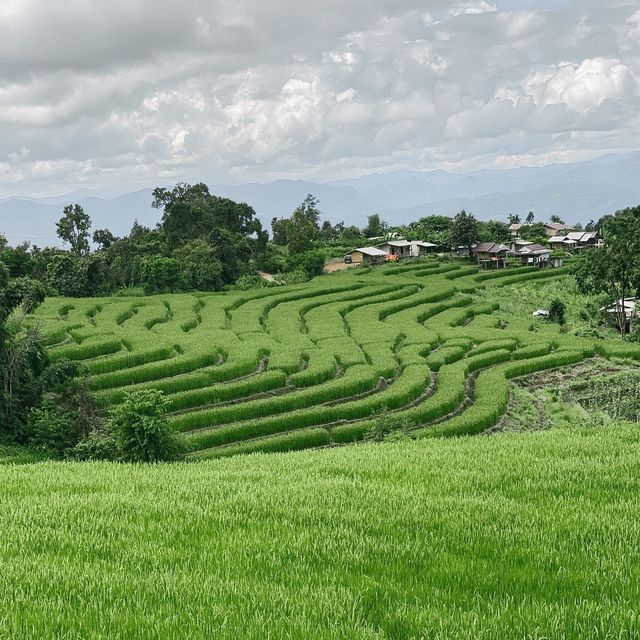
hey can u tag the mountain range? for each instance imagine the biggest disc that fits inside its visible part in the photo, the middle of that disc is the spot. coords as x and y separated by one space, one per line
578 192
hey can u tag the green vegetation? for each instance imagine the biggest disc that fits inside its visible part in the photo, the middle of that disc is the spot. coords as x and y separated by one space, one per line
514 536
433 344
433 533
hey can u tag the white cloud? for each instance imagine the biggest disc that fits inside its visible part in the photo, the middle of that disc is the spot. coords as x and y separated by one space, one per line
582 86
101 92
473 8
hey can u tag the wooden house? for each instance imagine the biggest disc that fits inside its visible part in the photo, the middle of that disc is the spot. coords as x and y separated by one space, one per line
533 254
491 254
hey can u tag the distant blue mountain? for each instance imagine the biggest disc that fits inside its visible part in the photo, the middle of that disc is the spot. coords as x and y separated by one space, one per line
578 192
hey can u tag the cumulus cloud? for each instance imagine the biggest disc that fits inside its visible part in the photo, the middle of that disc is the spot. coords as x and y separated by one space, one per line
144 91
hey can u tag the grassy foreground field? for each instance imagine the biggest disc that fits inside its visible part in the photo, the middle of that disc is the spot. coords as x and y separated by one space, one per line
311 365
510 536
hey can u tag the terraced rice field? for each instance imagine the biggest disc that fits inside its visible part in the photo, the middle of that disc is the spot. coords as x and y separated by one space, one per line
311 365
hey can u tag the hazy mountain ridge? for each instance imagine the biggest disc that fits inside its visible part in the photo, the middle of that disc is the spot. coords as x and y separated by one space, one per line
576 191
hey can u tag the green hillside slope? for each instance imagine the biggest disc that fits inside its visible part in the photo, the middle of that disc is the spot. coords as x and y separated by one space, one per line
434 343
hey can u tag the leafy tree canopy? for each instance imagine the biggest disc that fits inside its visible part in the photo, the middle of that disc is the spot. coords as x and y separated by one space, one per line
464 231
73 228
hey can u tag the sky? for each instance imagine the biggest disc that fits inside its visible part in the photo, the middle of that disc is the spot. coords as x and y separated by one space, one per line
117 94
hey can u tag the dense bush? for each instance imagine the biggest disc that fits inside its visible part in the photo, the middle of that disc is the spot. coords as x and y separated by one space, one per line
140 428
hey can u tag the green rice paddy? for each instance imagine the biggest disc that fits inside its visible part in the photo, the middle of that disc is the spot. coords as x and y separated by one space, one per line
510 536
515 535
312 365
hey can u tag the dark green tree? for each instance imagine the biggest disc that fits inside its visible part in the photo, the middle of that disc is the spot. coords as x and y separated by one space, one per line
22 357
200 268
493 231
73 228
375 226
160 274
557 310
300 232
615 268
191 212
103 238
464 232
435 229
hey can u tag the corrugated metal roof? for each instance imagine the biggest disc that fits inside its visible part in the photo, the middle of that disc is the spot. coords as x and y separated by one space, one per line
420 243
490 247
370 251
534 248
396 243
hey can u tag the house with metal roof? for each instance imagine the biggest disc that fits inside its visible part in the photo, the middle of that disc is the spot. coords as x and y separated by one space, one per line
420 248
555 228
399 249
533 254
624 312
575 240
491 254
365 255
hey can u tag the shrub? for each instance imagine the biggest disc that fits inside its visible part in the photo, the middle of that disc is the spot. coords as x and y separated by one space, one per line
140 428
386 426
52 430
100 444
557 310
311 262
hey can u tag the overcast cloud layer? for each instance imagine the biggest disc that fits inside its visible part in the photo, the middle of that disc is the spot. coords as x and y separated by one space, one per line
126 92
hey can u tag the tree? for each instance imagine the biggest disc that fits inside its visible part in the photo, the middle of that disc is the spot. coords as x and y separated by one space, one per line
103 238
591 226
18 260
464 232
311 262
530 217
191 212
309 209
140 427
514 218
436 229
493 231
535 232
351 236
279 231
73 228
375 226
557 310
22 356
200 268
300 232
160 274
327 232
615 268
66 414
557 219
66 274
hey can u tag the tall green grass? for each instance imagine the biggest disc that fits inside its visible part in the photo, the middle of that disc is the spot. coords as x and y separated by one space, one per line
513 536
